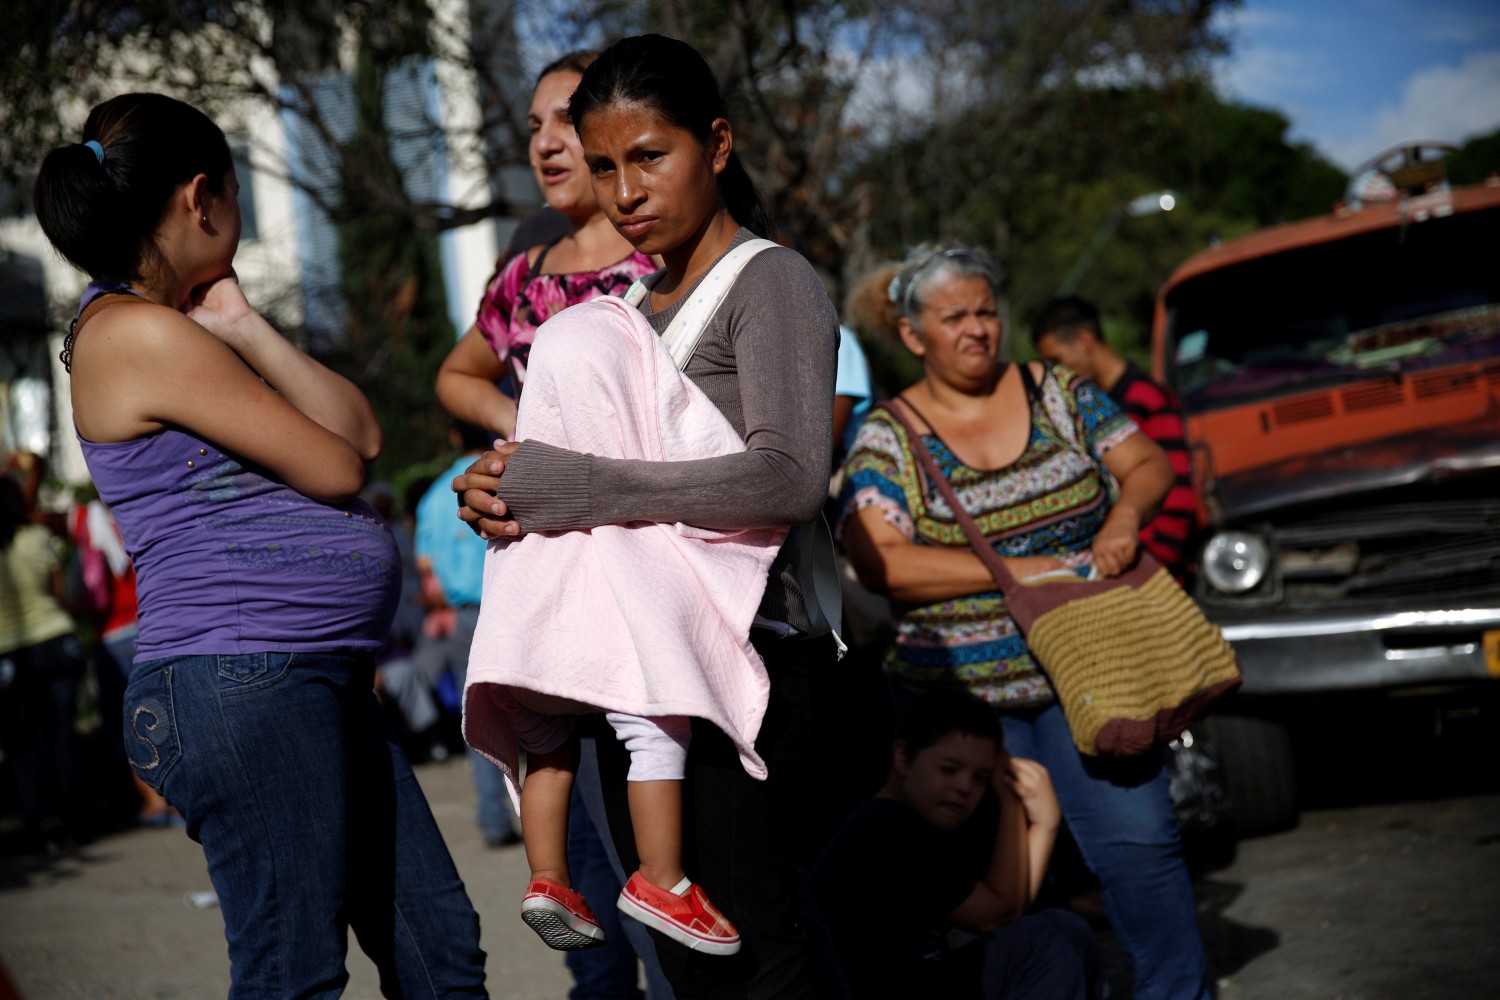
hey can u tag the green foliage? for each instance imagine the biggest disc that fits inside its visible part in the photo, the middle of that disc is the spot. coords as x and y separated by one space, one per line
1093 151
1050 115
398 330
1475 160
51 52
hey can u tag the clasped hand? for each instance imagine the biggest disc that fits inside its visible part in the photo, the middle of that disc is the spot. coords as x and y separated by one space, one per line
478 506
220 307
1114 547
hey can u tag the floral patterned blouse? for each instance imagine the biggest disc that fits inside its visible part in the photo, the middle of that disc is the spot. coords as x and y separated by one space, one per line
1052 500
518 300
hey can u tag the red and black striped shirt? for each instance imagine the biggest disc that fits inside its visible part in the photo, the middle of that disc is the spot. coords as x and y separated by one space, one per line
1156 411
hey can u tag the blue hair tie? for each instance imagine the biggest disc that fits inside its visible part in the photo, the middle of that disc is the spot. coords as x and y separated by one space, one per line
98 150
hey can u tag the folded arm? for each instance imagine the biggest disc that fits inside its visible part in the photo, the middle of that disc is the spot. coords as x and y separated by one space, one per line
889 563
466 386
140 368
784 348
1025 835
325 397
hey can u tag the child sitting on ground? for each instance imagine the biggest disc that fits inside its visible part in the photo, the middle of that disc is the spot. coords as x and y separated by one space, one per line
922 863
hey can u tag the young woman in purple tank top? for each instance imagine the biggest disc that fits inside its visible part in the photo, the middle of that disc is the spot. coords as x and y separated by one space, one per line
232 462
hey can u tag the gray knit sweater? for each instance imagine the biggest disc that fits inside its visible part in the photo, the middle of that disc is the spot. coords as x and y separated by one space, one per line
767 360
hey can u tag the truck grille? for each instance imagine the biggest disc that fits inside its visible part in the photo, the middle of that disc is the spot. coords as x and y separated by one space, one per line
1440 550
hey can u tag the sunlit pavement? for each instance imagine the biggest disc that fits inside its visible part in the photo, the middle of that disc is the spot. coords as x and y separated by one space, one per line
1394 901
115 920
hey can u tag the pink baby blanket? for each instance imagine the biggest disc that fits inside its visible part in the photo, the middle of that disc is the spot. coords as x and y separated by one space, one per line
646 619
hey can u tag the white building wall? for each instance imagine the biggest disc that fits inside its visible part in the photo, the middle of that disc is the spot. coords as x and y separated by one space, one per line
270 265
468 252
64 285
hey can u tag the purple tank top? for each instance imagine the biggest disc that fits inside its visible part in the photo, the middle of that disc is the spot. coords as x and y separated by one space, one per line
230 560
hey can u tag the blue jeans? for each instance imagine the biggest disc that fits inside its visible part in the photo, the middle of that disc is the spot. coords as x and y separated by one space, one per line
1120 814
610 972
491 799
311 821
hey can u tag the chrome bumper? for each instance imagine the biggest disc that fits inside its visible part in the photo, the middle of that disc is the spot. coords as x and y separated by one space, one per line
1304 655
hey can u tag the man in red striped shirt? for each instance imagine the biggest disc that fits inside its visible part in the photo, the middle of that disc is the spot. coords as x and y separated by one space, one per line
1068 332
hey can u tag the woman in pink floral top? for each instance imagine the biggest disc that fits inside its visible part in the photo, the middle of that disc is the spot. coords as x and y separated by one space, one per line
524 295
591 261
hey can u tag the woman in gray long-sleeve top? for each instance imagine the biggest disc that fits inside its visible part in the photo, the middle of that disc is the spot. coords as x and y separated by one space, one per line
660 150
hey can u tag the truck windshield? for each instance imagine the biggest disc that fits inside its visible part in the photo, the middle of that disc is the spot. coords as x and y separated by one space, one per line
1399 299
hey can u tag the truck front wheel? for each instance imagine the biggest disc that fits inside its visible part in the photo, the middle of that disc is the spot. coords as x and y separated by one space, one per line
1260 773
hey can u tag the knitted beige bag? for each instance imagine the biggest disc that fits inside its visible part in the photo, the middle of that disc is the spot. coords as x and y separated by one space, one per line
1132 659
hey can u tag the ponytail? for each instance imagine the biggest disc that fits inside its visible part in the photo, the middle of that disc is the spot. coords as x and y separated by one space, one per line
742 198
73 195
101 200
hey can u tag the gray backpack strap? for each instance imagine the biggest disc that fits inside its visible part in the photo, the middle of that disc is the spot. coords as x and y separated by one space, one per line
809 547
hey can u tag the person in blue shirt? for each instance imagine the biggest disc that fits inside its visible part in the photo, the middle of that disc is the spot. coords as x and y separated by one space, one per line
852 393
450 560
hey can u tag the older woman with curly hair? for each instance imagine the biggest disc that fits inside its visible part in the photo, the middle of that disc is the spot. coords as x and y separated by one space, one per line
1030 450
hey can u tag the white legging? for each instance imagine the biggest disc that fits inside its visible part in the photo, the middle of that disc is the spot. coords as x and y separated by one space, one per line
657 745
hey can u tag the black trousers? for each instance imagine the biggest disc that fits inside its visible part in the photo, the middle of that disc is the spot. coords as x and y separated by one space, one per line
747 842
38 704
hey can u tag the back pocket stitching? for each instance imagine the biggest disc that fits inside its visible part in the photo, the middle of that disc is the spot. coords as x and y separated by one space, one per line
160 730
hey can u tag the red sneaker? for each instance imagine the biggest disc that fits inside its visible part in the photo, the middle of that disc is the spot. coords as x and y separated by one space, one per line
560 916
689 919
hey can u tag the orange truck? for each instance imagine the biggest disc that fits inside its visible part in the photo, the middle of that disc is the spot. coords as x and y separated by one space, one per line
1340 379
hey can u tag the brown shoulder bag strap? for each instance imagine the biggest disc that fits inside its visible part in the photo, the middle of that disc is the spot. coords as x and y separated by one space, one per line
981 546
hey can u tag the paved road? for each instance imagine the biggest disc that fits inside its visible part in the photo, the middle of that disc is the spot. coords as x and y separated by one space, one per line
110 922
1389 888
1386 902
1369 900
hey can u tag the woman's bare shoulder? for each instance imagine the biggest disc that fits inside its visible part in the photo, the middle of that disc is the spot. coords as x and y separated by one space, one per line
125 359
129 330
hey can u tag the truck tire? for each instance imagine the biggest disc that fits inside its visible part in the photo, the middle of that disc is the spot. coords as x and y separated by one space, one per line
1259 770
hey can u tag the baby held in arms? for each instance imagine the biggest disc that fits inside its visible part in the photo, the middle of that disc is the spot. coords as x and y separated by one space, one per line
648 623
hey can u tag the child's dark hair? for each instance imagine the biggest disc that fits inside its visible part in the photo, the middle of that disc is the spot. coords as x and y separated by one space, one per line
100 200
941 713
1065 318
671 78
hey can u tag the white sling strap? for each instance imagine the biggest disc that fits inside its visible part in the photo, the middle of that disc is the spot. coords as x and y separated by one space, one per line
809 547
686 329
